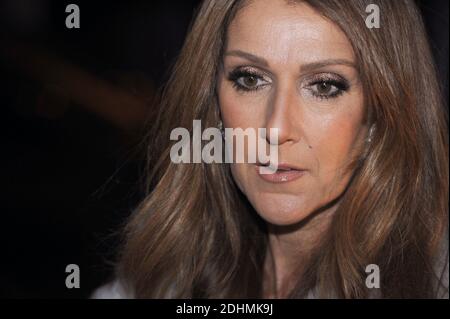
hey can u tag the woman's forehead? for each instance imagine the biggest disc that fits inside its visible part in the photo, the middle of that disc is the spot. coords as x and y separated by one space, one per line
283 33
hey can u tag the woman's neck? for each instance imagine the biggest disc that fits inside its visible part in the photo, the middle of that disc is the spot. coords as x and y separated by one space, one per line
289 249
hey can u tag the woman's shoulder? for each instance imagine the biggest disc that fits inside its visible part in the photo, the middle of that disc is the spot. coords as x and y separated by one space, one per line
112 290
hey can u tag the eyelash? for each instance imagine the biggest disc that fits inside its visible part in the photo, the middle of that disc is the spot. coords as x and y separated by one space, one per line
238 74
341 85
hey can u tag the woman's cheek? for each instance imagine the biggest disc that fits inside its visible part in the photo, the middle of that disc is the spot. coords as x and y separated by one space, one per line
240 176
336 145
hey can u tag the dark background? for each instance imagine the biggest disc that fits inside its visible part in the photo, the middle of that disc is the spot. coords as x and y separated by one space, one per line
74 105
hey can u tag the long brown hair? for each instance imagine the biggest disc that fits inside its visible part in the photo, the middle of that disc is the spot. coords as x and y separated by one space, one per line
195 235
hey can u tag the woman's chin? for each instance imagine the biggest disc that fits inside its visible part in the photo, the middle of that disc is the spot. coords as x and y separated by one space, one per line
283 212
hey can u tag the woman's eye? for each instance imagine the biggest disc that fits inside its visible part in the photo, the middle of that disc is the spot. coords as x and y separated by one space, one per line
324 88
250 82
328 88
247 81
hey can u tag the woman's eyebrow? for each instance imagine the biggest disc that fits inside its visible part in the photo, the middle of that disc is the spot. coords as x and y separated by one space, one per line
248 56
307 67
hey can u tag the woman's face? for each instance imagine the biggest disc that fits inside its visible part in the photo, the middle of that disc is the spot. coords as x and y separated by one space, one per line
287 67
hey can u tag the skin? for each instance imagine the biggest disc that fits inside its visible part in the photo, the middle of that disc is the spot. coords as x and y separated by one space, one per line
289 46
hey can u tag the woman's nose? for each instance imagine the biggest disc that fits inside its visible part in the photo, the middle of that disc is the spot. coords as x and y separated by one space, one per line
284 113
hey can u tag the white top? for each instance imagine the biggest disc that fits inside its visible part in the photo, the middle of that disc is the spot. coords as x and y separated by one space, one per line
112 290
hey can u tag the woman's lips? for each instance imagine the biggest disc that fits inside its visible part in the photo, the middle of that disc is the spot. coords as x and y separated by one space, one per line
284 173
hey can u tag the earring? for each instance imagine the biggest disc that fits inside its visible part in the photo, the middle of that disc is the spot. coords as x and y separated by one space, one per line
370 136
220 127
368 141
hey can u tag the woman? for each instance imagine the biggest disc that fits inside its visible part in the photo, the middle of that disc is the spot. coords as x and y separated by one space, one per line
363 164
